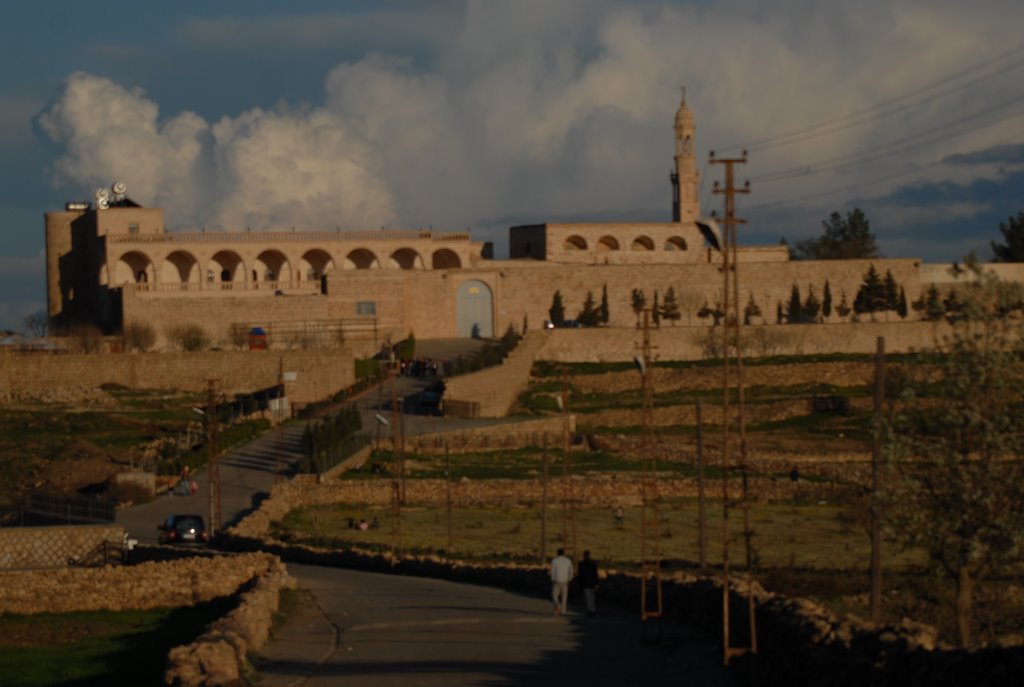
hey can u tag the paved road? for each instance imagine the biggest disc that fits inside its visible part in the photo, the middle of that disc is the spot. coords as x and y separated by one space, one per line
392 631
377 630
247 473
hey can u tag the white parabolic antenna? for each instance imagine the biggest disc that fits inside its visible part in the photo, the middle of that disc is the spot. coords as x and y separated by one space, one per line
119 187
102 192
103 203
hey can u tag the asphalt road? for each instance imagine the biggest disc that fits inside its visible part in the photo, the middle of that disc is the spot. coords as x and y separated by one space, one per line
377 630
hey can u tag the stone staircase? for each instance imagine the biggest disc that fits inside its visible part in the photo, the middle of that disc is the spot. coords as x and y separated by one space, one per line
492 391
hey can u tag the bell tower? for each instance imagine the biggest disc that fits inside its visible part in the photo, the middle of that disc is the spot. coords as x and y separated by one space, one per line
685 177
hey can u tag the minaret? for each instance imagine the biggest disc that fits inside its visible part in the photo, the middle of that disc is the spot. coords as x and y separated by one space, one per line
685 177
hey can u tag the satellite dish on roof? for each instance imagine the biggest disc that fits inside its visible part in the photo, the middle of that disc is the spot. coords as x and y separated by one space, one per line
102 203
102 192
119 188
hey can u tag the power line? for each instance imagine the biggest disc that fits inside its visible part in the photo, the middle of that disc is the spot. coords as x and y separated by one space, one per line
891 148
890 106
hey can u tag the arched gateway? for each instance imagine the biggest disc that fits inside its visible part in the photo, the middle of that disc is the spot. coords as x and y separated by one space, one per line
474 309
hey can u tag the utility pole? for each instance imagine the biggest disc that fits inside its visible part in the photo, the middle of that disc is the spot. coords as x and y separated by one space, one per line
569 502
650 524
278 415
732 347
876 457
544 503
702 535
213 471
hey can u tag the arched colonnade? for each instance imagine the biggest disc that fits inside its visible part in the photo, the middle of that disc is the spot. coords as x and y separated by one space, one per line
225 268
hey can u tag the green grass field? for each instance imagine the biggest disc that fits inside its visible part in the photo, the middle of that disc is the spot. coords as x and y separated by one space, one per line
97 647
783 534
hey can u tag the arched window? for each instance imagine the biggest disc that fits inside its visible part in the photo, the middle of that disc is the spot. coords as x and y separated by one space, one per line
675 243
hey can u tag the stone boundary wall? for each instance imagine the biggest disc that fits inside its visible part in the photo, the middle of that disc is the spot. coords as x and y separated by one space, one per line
57 546
620 344
318 374
217 657
497 388
512 435
800 642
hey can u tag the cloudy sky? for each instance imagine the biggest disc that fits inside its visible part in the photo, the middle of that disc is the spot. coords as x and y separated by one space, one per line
481 115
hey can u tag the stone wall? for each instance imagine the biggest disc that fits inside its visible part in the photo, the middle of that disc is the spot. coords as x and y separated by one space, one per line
58 546
607 344
318 374
512 435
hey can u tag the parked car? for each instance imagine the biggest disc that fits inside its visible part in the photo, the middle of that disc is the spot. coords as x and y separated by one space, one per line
184 529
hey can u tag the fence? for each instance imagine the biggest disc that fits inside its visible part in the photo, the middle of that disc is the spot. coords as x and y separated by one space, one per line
48 509
324 461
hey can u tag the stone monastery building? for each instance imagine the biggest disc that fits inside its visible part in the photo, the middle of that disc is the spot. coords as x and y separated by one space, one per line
112 264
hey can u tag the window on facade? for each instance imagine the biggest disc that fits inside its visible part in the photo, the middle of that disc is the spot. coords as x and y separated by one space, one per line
366 308
133 229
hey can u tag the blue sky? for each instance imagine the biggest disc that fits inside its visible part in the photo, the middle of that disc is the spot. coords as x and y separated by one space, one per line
362 115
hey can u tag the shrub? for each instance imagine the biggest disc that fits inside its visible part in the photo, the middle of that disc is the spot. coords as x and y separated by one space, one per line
87 338
189 337
139 336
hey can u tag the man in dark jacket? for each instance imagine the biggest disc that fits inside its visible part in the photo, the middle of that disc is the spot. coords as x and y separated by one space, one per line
587 575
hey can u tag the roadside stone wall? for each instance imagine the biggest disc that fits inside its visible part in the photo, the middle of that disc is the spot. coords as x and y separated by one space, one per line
56 547
151 584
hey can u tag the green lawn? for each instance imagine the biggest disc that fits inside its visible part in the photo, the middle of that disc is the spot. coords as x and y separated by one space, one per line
97 647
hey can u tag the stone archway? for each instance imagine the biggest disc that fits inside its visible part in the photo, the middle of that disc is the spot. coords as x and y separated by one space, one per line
474 310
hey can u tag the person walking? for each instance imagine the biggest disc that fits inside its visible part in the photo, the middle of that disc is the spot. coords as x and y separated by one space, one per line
588 582
561 575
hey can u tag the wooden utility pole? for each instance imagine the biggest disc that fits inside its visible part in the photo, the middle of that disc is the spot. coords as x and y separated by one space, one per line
448 485
544 503
650 522
568 497
732 347
213 471
876 458
702 536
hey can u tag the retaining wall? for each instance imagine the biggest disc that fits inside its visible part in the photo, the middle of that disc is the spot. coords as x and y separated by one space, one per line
317 374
